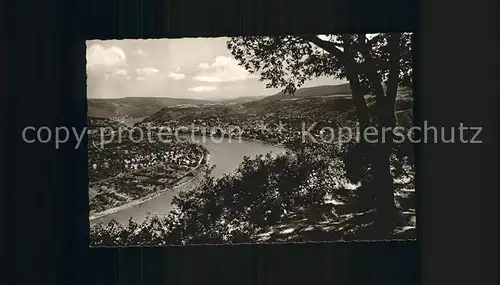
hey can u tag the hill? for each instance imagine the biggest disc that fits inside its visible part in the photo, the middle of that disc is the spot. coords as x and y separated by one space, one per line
97 122
317 91
325 98
135 107
340 90
241 100
312 107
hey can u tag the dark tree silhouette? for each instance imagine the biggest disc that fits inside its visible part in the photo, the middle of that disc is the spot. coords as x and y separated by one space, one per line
260 194
373 64
263 192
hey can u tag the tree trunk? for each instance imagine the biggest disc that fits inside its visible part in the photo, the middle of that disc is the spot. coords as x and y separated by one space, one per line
380 161
386 119
379 153
383 180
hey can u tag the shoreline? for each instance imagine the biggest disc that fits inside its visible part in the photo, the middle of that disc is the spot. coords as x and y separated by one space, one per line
270 143
240 138
153 195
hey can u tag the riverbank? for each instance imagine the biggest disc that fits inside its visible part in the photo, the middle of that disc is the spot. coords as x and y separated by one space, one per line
204 160
225 156
271 143
230 137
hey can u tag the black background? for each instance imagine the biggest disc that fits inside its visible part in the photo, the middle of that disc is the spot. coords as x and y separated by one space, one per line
43 63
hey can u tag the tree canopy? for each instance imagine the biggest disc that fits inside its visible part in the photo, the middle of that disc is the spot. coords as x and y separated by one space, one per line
263 194
289 61
373 64
267 192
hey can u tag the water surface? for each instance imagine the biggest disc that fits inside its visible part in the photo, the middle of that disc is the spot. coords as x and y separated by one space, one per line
226 155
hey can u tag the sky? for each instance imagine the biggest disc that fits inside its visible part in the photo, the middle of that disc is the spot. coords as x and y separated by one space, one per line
199 68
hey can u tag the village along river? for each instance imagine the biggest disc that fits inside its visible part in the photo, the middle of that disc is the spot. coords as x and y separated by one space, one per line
226 155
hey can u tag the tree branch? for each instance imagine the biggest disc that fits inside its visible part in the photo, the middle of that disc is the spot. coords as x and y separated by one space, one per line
352 72
394 57
372 40
333 49
330 47
371 67
359 101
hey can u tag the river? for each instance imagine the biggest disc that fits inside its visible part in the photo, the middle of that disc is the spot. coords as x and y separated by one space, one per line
226 155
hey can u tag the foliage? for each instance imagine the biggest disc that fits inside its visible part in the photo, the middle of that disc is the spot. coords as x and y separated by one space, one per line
258 194
289 61
264 192
373 64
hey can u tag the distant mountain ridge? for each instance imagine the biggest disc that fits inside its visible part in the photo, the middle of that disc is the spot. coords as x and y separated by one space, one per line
141 107
243 99
135 107
319 91
323 90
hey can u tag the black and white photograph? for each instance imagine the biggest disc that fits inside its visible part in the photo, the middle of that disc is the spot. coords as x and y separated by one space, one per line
247 140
